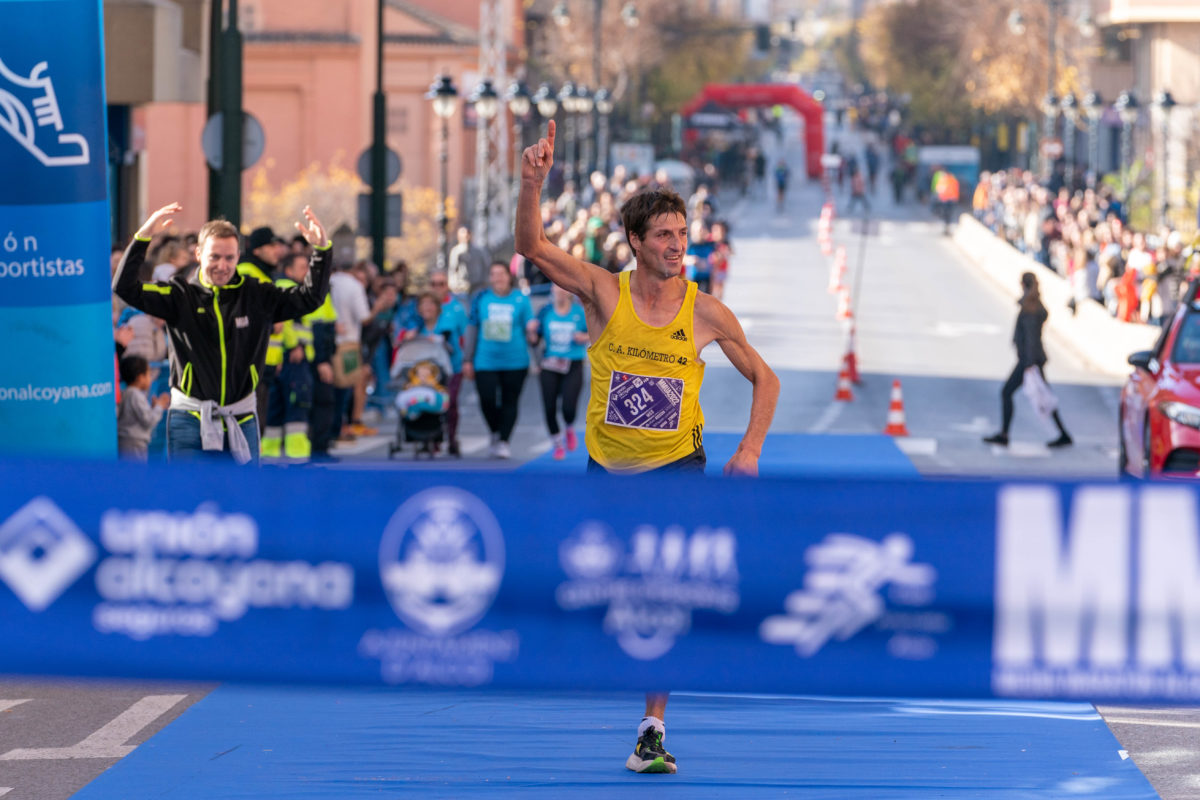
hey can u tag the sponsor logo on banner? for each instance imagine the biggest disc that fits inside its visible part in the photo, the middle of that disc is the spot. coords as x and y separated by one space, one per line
1102 602
42 553
650 586
164 572
441 562
185 573
853 582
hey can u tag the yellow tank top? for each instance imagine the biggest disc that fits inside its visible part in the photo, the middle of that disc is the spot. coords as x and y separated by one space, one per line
645 405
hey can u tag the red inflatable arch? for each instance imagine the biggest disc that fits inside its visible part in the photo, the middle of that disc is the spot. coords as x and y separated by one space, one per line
750 95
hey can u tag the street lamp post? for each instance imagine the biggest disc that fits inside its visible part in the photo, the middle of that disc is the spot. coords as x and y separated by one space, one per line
566 99
444 95
1165 103
519 104
1050 110
487 105
604 107
1069 107
561 14
378 211
1093 107
584 105
1127 109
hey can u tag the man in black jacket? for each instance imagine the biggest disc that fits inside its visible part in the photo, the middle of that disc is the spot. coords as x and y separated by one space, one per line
218 322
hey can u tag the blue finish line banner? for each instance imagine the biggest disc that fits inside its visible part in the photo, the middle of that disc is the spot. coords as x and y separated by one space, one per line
56 369
863 588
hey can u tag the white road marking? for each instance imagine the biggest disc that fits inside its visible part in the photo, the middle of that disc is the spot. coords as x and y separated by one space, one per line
911 446
109 741
1164 723
1022 450
5 705
977 425
830 415
5 790
955 330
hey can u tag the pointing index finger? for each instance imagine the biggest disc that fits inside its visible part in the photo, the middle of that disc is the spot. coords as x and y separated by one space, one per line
550 135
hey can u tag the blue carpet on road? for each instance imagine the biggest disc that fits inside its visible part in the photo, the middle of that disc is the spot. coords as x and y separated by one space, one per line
787 454
242 742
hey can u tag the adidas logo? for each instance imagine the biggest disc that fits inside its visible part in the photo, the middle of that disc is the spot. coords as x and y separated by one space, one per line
679 335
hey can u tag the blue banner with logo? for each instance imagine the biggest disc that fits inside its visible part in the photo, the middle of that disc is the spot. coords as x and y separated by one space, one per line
56 369
866 588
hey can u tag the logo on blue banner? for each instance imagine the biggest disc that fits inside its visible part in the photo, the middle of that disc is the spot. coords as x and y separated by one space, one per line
844 593
650 590
441 562
52 102
42 553
1107 605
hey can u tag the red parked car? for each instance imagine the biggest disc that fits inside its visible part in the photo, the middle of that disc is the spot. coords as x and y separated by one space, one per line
1160 402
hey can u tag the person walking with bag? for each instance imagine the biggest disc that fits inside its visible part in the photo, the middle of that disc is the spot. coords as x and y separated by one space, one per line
1030 356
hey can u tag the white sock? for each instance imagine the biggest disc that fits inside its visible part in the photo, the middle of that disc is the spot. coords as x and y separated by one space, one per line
652 722
558 440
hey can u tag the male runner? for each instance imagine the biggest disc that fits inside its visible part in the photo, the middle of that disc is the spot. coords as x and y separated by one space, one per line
647 328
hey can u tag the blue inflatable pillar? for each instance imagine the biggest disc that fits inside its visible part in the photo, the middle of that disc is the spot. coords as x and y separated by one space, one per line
56 348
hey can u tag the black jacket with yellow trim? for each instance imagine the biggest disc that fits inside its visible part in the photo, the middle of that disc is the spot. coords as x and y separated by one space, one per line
219 333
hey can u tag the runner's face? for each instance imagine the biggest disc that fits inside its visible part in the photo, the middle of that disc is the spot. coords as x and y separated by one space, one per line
500 279
218 259
662 249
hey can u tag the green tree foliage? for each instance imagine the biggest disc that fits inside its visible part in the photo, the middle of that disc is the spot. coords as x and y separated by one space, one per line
699 51
916 48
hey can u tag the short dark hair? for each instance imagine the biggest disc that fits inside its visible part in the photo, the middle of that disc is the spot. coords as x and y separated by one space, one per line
132 368
216 229
644 206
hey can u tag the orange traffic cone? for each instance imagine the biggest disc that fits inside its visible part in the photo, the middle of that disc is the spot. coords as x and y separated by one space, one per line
836 271
826 247
895 419
827 211
844 312
852 360
844 392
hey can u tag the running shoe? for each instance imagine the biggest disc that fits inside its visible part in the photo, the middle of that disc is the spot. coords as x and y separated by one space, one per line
358 429
572 440
559 452
502 450
649 754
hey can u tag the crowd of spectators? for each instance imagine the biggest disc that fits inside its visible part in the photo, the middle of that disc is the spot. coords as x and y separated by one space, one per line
585 222
1081 234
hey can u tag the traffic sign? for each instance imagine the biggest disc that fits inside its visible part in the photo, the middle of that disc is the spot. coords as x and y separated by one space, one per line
254 140
393 166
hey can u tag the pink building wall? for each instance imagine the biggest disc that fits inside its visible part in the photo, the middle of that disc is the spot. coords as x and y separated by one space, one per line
314 102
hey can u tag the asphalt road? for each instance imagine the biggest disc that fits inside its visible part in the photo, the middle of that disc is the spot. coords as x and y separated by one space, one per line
923 316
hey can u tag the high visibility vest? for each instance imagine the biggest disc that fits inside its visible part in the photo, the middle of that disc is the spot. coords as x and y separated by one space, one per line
295 332
947 188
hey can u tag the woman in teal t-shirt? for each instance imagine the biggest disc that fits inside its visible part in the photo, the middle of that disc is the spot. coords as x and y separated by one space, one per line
498 354
563 327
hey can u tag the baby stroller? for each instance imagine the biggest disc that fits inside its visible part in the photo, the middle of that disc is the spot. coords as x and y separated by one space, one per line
420 371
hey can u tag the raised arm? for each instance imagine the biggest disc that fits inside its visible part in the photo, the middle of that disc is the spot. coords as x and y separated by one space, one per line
577 277
728 333
308 296
157 299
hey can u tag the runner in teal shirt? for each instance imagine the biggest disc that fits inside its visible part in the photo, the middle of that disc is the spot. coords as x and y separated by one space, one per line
563 327
498 354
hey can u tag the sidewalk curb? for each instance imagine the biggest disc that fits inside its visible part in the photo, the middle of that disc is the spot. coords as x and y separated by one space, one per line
1099 340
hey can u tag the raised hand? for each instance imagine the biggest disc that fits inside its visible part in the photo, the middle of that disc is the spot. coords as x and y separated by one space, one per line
314 232
537 159
159 221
